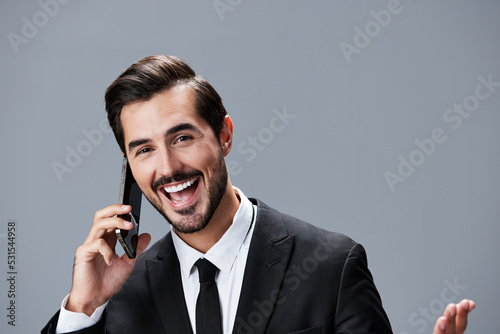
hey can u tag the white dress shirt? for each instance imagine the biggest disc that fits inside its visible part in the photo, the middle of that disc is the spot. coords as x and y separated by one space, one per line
229 254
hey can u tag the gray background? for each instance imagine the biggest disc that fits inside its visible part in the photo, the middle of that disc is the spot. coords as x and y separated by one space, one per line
353 117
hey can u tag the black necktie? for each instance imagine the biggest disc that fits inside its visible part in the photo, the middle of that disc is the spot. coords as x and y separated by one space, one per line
208 319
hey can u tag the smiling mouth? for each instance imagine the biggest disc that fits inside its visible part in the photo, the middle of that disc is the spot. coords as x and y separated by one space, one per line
181 192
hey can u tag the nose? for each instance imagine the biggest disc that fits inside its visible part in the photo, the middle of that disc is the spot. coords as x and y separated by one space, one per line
168 163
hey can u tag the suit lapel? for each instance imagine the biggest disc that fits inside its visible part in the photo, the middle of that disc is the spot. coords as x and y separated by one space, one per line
166 289
265 270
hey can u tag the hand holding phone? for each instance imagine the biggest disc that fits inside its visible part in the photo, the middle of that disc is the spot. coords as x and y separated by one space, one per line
95 280
130 194
98 271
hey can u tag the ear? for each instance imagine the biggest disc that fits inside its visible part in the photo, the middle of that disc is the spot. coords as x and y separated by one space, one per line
226 135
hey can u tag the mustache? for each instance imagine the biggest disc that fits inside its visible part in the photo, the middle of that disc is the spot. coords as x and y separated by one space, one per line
177 177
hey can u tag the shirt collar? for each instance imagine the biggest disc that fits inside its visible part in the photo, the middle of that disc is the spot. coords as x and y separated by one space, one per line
224 252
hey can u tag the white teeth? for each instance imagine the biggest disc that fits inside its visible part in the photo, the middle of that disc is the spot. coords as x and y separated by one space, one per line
174 189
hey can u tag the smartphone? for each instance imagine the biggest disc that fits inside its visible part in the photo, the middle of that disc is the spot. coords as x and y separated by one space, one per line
130 194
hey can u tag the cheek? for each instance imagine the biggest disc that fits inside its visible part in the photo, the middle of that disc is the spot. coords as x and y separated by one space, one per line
208 162
203 157
144 176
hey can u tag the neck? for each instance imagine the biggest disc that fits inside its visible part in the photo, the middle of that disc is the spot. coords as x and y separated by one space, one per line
222 219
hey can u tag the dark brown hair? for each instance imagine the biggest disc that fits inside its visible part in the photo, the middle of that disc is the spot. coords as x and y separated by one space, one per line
153 75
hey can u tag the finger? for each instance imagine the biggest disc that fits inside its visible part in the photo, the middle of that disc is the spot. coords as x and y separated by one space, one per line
463 309
472 305
450 314
107 225
112 210
111 238
88 252
441 325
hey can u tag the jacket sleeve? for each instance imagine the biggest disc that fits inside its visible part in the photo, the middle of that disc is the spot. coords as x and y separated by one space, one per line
359 306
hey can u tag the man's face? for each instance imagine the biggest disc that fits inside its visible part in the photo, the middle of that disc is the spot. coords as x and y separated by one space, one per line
175 157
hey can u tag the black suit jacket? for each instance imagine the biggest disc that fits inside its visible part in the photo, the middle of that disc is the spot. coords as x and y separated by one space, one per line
298 279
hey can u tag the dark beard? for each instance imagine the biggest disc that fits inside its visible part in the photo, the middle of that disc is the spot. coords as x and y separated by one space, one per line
195 222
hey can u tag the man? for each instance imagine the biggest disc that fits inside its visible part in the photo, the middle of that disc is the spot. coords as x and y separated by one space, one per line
273 273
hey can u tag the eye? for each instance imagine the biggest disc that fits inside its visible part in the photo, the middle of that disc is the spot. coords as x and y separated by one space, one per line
183 138
143 150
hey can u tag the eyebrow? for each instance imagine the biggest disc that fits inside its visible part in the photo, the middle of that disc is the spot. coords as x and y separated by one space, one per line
180 127
134 143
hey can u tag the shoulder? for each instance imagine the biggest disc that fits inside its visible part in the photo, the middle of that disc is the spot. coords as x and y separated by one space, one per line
307 236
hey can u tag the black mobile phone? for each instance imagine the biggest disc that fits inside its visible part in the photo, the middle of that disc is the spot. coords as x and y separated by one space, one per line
130 194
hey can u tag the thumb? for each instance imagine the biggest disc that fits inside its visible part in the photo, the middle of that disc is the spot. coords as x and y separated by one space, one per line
142 243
